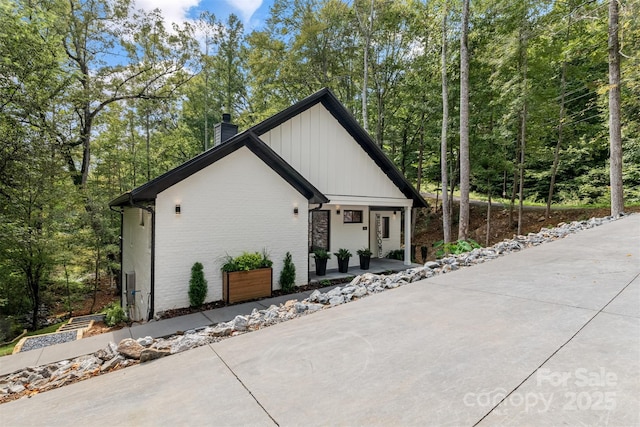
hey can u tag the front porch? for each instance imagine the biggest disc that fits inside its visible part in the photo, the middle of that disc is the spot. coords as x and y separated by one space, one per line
376 266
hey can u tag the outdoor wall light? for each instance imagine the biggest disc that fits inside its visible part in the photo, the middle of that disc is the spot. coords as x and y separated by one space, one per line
295 211
177 209
338 211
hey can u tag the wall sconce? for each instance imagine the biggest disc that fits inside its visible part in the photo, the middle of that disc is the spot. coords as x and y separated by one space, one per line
295 211
338 211
177 209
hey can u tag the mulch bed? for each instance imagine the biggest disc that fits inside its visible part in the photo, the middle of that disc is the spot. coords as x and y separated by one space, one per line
168 314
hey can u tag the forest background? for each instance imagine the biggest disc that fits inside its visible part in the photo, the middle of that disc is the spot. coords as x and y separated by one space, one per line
97 98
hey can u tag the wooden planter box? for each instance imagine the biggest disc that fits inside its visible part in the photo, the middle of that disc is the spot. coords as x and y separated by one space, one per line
246 285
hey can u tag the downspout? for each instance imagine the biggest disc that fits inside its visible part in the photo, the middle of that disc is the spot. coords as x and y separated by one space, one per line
153 254
121 212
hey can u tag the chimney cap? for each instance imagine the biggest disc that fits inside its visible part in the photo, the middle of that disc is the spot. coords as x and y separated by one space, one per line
226 118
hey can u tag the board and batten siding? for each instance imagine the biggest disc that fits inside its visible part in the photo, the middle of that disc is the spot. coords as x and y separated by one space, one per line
237 204
136 258
318 147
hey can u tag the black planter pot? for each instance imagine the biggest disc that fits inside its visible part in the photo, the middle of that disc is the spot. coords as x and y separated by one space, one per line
343 265
321 267
364 261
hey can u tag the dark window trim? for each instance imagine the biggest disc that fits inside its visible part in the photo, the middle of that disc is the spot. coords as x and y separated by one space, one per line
352 212
386 225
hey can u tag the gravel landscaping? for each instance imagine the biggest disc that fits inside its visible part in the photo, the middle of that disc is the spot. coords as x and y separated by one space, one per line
39 341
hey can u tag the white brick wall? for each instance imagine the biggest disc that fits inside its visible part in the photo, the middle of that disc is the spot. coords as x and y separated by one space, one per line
237 204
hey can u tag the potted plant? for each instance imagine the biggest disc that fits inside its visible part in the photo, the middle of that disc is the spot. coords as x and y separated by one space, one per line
343 256
321 257
247 276
365 258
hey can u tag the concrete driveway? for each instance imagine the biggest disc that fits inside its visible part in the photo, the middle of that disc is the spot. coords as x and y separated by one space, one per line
550 335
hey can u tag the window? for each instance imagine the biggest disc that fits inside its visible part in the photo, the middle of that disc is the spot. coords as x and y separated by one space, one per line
319 230
352 216
385 227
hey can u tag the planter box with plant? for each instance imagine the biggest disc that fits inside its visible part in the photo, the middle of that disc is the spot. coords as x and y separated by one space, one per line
321 257
365 258
343 256
247 276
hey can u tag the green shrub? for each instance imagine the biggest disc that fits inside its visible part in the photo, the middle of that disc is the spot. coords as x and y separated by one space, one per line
288 274
321 254
343 253
364 252
114 314
197 286
454 248
247 261
395 254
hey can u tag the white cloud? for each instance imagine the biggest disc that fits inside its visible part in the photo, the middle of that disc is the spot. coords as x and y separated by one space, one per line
246 7
172 10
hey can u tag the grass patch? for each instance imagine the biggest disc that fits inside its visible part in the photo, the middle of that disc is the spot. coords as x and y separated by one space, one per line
8 349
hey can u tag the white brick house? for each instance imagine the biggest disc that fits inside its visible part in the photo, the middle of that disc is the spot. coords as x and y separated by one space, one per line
262 189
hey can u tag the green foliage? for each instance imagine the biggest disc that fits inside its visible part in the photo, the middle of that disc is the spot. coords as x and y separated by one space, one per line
321 254
247 261
9 328
366 252
343 254
325 282
454 248
114 314
288 274
197 286
395 254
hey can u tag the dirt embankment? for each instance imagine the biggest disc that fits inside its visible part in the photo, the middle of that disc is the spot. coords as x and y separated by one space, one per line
502 225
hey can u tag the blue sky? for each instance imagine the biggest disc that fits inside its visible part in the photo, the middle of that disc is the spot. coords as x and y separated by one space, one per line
253 13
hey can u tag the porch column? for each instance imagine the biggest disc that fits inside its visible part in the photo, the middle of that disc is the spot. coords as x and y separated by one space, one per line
407 235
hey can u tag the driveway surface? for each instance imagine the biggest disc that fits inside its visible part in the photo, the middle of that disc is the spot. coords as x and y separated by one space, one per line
550 335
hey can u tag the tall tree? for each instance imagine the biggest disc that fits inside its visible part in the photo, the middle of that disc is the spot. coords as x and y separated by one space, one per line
365 25
444 166
463 224
92 30
615 131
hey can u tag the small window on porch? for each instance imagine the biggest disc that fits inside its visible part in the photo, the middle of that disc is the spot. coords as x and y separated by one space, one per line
352 216
385 227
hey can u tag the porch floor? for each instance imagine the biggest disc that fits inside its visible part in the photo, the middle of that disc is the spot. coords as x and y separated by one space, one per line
376 266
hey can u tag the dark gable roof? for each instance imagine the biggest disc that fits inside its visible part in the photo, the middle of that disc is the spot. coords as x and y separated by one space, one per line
148 192
344 117
250 139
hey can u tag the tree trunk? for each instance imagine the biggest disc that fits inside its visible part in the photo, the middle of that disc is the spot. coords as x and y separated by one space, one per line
446 212
365 78
97 278
523 128
556 152
66 277
486 240
463 222
615 132
515 185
